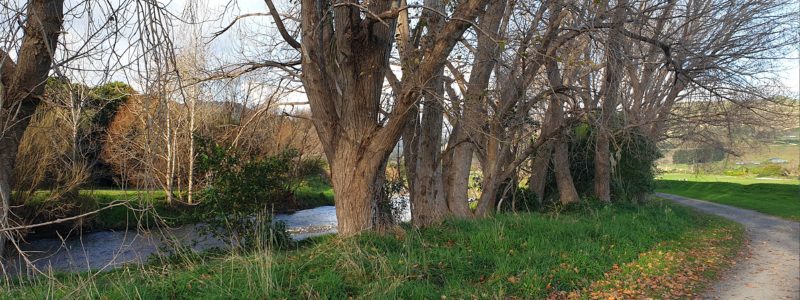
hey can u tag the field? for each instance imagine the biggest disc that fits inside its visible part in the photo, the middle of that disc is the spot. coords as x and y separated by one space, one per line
654 250
778 197
788 151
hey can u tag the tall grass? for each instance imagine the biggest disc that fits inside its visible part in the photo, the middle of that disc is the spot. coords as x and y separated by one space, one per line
527 255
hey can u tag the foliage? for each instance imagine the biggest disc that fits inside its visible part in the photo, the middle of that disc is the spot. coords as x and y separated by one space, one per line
523 199
109 97
634 174
313 191
527 255
633 164
242 188
774 197
768 170
736 172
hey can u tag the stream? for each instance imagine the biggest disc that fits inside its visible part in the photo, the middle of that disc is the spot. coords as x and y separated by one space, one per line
106 250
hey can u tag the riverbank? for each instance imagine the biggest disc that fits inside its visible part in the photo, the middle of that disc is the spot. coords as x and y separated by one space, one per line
148 209
657 249
773 196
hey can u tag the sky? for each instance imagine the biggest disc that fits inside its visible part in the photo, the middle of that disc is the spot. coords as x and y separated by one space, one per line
790 76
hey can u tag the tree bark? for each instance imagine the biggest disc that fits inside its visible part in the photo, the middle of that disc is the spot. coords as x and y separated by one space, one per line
613 78
357 190
566 188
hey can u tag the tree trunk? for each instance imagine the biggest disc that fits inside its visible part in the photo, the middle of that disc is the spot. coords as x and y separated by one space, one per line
610 93
7 157
456 177
566 188
429 206
540 170
488 197
345 57
410 141
541 162
357 187
602 166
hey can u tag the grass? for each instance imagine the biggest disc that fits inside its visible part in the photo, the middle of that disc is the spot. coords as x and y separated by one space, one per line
529 255
777 197
314 192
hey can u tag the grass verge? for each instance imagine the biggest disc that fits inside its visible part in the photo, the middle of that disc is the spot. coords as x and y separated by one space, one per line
777 197
583 253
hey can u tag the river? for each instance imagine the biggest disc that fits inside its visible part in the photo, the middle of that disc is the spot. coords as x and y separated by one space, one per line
106 250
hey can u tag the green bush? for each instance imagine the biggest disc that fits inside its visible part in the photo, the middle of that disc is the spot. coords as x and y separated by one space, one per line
311 167
736 172
633 175
243 192
769 170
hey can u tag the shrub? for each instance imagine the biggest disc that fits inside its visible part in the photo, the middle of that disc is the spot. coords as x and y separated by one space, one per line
523 199
242 194
769 170
736 172
633 173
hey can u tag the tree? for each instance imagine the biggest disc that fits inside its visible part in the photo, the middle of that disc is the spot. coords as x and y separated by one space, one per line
22 88
345 56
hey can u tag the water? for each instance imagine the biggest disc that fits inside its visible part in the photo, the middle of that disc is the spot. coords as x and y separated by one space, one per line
105 250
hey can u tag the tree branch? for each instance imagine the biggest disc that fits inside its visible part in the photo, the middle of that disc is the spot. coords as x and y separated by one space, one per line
281 27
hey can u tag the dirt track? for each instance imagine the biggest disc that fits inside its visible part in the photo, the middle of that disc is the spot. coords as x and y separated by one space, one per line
772 268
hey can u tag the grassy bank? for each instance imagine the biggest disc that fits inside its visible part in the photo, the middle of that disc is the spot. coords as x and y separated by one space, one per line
777 197
658 250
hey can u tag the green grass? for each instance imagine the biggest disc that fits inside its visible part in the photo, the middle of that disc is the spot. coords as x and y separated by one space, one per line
529 255
777 197
314 192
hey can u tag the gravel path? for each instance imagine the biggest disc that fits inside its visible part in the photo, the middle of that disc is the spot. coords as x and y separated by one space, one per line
772 268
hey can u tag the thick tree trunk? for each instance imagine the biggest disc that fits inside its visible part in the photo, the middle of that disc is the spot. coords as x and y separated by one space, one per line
357 186
540 170
610 93
566 188
345 59
429 206
488 197
602 166
456 179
